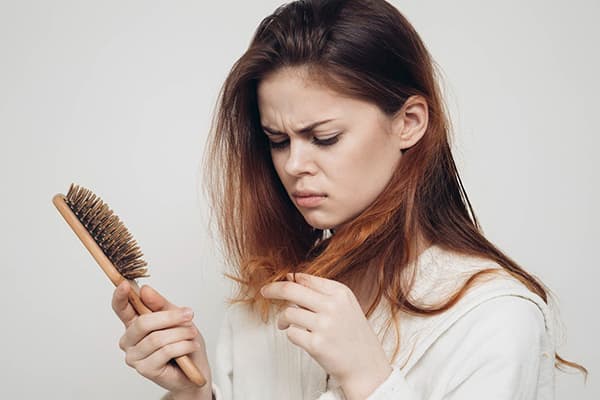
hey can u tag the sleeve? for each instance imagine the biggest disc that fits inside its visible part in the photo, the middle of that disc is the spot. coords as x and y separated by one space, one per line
222 384
493 352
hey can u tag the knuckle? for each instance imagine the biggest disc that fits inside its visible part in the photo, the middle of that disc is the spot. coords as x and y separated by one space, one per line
289 333
174 314
144 371
115 305
142 323
122 343
155 339
193 331
129 360
117 299
168 351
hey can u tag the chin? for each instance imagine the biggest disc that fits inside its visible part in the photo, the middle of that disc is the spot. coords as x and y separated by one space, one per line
319 226
321 223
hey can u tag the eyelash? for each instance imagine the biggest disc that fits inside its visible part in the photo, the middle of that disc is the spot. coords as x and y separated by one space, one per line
319 142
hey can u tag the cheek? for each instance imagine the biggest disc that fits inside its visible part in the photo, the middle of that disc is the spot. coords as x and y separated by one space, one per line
364 170
352 166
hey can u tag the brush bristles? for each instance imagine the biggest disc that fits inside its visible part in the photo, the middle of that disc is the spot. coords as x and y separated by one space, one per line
108 231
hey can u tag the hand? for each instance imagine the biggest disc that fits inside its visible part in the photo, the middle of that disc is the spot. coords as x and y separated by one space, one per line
152 340
331 326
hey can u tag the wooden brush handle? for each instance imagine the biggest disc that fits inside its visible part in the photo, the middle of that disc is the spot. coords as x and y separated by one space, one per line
184 362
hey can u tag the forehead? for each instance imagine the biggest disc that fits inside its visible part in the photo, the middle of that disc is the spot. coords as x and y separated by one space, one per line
290 93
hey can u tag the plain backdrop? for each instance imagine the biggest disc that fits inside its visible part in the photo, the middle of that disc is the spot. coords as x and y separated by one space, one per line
117 96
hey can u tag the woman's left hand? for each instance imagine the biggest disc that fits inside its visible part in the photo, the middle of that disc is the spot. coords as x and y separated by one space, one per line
331 326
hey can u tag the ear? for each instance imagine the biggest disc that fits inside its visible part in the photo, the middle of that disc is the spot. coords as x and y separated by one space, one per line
410 122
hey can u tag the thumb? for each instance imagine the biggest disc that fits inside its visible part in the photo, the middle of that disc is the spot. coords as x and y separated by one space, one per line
154 300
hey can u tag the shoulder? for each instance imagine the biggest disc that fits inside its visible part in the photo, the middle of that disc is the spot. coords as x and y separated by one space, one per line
503 333
495 298
497 319
508 325
498 345
504 313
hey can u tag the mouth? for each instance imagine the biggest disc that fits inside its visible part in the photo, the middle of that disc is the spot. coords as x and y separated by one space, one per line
308 199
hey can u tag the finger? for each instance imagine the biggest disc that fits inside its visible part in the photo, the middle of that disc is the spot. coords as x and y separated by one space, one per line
157 339
301 337
155 363
121 305
295 293
144 324
321 285
154 300
297 316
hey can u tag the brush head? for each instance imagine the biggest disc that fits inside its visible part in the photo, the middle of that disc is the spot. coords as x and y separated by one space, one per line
108 232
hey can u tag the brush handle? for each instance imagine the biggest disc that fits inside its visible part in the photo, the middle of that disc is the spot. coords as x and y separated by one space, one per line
184 362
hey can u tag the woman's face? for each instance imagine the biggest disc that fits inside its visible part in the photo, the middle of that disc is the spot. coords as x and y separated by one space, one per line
334 170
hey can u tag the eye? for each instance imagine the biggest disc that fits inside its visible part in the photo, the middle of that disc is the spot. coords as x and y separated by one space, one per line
278 145
326 141
317 141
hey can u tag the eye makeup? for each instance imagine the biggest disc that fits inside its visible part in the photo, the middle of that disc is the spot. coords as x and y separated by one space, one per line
317 141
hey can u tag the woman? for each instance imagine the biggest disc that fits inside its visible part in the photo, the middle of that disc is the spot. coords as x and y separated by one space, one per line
361 268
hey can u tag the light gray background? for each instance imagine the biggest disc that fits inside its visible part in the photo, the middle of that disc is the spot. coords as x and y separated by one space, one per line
117 96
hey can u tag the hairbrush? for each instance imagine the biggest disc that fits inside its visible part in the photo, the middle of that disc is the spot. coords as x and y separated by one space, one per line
114 249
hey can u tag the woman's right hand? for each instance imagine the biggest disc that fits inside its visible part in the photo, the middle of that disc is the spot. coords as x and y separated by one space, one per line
152 340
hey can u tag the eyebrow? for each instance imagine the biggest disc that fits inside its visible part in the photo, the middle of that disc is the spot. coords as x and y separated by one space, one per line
306 129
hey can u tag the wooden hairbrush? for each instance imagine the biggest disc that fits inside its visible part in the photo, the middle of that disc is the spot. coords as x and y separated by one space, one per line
113 248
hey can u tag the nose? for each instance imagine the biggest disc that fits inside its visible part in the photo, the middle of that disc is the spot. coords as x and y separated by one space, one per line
300 159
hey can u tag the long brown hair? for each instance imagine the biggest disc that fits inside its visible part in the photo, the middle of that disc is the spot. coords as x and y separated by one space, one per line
367 50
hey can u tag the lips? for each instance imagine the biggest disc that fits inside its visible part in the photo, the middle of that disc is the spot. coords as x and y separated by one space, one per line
307 193
306 198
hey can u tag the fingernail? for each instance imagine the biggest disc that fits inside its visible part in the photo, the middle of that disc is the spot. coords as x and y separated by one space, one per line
188 313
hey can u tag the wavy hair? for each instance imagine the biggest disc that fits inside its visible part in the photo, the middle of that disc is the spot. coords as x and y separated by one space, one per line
368 50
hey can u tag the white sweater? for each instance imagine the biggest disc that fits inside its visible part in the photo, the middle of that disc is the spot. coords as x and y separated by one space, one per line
496 343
